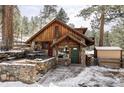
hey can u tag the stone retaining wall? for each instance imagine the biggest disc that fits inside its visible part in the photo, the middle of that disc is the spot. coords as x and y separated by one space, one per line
27 71
18 72
44 65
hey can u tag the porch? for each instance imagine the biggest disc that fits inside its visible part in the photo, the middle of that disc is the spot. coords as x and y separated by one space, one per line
69 50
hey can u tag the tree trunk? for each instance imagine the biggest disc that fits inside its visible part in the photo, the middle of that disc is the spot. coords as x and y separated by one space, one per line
102 18
7 27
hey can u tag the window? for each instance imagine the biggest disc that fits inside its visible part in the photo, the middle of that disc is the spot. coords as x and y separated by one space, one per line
57 33
56 28
63 52
45 45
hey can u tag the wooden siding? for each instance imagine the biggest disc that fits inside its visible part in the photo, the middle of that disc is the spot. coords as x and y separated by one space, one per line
68 42
109 54
48 33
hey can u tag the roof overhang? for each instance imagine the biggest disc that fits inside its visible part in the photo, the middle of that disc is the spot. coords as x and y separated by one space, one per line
88 40
71 37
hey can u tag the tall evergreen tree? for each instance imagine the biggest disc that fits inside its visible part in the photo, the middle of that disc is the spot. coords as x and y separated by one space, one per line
117 35
48 13
62 15
16 23
25 26
104 13
107 39
34 24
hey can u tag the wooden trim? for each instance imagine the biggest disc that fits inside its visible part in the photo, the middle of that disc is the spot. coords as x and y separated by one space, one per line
73 38
71 29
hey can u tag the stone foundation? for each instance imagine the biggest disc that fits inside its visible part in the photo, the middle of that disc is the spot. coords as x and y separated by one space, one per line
65 62
44 65
26 71
18 72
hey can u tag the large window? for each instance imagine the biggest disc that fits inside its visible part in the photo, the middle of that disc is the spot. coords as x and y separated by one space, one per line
45 45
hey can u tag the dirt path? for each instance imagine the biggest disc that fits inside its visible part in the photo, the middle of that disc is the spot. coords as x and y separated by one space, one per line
60 73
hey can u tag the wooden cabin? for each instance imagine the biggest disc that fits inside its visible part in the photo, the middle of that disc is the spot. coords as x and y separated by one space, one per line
60 40
109 56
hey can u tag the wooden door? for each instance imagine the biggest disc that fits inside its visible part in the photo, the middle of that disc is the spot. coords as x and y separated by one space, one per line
75 55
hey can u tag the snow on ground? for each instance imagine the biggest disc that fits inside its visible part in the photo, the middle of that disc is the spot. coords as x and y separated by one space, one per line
95 77
18 84
76 76
60 73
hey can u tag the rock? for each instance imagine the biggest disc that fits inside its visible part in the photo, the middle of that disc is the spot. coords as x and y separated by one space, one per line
3 77
7 78
82 85
96 85
12 78
25 72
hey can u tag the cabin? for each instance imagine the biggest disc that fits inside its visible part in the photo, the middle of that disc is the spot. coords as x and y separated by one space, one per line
61 41
109 56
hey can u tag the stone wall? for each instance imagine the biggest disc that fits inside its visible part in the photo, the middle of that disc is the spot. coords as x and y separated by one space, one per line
27 71
18 72
83 56
44 65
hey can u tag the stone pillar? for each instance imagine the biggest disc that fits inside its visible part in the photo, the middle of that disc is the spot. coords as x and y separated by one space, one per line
83 56
55 53
33 45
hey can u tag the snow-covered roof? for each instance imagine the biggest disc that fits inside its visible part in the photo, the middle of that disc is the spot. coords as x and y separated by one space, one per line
108 48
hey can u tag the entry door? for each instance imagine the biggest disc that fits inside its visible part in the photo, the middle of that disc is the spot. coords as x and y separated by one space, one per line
75 55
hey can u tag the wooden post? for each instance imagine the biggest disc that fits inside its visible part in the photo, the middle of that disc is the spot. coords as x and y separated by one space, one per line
121 64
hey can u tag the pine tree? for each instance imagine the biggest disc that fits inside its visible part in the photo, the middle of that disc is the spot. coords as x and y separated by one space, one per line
16 23
117 35
62 15
25 26
107 39
47 14
34 24
103 14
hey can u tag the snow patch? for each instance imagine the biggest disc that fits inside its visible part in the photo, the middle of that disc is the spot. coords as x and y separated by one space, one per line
18 84
92 77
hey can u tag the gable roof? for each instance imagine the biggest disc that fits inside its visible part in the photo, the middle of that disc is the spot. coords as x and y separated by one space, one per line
71 29
71 37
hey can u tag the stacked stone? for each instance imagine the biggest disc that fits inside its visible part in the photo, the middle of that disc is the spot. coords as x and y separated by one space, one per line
27 71
43 66
3 57
18 72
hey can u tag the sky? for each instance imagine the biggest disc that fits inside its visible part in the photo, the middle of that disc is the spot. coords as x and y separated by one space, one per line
71 10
